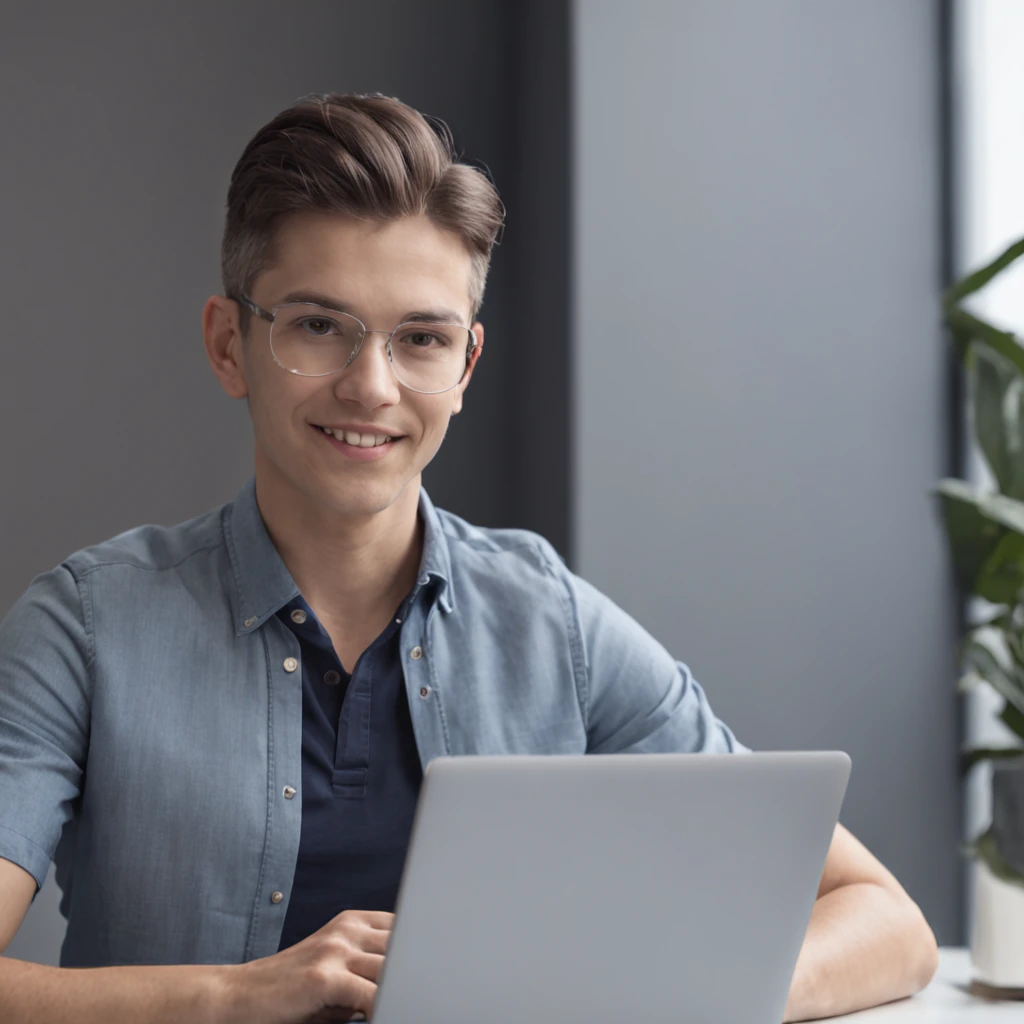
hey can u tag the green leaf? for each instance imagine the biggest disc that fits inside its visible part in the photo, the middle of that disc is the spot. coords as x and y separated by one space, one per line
979 278
1013 719
986 848
969 758
1001 577
972 535
998 508
997 405
1003 342
1008 683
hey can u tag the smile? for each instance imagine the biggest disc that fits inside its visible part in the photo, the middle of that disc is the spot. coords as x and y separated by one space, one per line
357 440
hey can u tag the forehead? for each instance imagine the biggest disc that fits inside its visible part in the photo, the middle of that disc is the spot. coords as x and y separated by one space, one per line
380 267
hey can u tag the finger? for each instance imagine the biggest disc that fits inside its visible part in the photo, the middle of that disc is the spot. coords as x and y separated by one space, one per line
366 965
372 941
378 919
352 990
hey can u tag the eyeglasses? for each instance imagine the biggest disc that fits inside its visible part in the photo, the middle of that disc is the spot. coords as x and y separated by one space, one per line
314 341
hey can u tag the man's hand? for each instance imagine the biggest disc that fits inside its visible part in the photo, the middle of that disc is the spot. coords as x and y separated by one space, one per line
330 976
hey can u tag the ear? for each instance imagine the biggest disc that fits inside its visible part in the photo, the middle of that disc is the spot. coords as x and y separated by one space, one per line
222 338
460 389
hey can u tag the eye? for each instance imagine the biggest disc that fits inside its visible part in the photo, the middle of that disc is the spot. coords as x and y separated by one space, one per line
421 339
318 326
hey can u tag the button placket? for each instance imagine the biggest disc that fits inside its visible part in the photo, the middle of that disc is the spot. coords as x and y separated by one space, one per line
427 709
283 763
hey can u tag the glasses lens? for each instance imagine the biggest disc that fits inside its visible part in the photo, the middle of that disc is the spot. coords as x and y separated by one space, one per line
312 340
430 357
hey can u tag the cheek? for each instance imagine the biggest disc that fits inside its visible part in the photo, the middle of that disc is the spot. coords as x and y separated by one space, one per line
435 416
277 405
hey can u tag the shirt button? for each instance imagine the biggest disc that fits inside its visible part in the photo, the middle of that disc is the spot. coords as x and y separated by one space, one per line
331 677
298 616
289 792
250 622
416 653
424 580
290 664
276 897
424 692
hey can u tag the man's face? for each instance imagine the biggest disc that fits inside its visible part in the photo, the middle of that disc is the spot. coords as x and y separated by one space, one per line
380 272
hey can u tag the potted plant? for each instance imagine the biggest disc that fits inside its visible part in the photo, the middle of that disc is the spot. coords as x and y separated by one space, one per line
985 528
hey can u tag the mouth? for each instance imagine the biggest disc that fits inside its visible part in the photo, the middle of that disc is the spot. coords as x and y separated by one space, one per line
360 447
356 440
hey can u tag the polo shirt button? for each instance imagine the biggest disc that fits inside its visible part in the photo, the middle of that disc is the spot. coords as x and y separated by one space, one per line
298 616
289 792
276 897
290 664
331 677
424 692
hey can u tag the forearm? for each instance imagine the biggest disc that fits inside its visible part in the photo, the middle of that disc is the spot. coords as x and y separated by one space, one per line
864 946
34 994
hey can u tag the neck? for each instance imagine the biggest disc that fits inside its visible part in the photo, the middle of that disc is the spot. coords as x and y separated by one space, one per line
348 568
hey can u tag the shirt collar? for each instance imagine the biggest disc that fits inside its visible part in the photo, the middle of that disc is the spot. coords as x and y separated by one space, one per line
263 583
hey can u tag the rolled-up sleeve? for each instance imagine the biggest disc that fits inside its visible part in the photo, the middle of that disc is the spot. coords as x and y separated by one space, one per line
637 698
45 663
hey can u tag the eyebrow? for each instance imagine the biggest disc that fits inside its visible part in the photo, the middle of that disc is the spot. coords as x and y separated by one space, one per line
438 315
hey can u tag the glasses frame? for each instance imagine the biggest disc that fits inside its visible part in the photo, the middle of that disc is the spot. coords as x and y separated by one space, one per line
271 315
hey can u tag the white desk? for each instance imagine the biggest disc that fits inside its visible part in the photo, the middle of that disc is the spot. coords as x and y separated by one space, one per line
945 1001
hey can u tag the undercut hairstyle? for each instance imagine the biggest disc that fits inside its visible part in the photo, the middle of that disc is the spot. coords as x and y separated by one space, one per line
364 156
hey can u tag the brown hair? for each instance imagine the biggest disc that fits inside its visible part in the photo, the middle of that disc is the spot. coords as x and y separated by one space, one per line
367 156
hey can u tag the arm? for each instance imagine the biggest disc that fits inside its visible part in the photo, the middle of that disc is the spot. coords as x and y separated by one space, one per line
634 696
867 943
45 693
335 967
30 992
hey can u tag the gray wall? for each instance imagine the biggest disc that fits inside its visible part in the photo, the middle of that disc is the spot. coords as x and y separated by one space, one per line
760 402
120 125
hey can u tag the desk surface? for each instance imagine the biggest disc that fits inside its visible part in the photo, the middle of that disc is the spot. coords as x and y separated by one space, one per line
945 1001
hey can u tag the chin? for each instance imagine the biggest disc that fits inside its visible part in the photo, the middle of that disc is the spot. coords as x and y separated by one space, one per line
362 497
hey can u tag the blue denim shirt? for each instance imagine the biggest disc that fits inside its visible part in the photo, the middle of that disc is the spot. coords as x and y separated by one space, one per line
151 715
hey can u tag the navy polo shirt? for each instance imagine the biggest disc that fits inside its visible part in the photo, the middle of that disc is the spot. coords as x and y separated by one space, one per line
361 776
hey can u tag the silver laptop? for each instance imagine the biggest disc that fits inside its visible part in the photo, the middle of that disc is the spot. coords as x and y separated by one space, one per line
651 888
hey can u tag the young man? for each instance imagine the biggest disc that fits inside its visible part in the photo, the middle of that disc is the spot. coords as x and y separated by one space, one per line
218 730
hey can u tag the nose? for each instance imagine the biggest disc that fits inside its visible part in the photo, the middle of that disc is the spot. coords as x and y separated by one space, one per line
369 380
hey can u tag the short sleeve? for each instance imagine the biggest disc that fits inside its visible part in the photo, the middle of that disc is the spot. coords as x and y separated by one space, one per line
45 662
637 697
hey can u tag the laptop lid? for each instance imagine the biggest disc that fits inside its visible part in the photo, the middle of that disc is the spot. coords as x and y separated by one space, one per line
652 887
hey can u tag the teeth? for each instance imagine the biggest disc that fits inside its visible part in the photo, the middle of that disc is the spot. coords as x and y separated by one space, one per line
356 439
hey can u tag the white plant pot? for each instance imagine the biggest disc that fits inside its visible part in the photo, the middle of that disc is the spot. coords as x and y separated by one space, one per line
997 943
